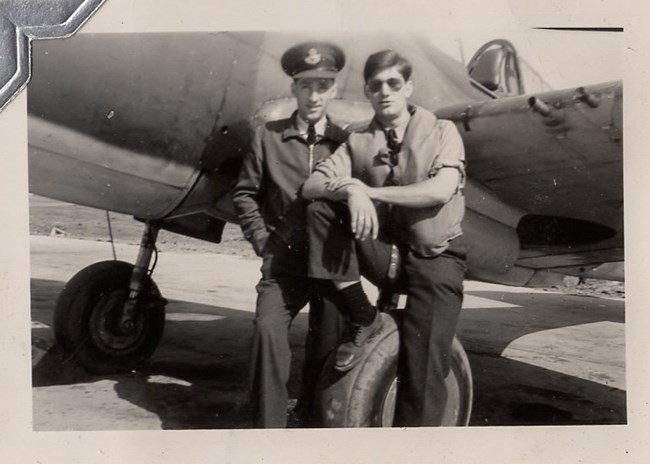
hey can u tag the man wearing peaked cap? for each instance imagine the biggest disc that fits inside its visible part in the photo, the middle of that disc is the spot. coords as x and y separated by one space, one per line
272 218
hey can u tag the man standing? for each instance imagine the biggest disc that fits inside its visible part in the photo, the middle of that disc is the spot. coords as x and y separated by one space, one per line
272 215
396 185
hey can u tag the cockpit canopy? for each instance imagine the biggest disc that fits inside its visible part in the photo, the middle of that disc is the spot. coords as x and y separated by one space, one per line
496 67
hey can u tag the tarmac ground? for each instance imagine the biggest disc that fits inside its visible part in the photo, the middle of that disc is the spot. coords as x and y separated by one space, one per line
537 357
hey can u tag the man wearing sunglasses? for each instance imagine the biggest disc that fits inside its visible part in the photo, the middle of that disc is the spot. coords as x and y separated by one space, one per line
393 214
272 216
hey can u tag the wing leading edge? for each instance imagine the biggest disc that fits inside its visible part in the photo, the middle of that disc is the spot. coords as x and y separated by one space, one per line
557 159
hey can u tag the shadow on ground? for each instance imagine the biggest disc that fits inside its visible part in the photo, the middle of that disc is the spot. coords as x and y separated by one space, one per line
197 377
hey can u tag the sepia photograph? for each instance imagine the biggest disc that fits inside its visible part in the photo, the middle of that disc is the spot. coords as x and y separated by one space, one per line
262 229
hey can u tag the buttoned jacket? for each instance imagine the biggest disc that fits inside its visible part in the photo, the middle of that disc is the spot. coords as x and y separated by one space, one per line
266 195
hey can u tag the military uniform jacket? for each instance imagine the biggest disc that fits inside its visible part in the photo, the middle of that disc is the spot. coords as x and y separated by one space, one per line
267 195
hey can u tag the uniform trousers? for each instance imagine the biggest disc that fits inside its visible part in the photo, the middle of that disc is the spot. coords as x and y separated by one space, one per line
434 289
282 292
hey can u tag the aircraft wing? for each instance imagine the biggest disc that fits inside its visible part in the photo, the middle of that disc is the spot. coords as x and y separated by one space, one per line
554 164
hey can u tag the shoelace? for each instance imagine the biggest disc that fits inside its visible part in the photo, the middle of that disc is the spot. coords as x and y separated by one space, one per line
359 332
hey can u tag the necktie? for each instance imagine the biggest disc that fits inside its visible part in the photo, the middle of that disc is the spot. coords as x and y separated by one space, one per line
391 140
393 145
390 157
311 134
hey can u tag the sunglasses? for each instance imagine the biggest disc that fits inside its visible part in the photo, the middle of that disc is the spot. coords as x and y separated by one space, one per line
395 85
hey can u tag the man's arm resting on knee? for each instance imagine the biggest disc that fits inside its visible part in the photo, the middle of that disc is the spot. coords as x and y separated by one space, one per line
437 190
324 184
363 215
336 166
319 186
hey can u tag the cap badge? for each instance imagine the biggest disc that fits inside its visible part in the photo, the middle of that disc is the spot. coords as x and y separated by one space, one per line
313 57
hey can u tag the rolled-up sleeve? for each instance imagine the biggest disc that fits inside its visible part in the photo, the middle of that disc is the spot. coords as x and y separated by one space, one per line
451 153
247 193
337 165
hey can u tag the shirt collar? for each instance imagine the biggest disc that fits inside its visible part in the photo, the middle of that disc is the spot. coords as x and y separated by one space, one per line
399 130
303 125
326 128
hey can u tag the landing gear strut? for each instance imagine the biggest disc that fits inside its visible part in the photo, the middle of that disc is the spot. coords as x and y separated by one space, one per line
110 316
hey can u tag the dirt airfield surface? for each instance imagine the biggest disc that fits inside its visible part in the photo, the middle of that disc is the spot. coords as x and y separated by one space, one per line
538 356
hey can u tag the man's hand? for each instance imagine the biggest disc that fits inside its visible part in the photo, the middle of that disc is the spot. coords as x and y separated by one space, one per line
363 215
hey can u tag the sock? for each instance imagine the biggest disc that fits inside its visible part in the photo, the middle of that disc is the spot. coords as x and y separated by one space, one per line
361 311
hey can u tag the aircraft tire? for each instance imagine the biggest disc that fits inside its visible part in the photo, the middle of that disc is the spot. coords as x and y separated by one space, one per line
85 319
365 396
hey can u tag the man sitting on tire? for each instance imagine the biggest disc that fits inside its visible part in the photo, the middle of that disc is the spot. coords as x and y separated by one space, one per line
399 182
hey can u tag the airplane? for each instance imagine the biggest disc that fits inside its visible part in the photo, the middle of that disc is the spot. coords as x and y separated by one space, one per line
154 125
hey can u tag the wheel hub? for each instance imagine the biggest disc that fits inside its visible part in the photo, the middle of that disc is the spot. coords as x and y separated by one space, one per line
107 326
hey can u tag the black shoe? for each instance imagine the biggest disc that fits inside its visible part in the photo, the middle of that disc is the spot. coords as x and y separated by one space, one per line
349 353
